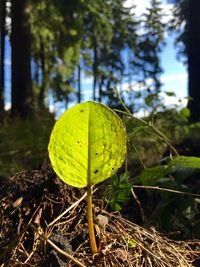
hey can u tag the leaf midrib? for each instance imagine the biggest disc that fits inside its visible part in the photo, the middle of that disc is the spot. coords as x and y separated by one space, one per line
88 152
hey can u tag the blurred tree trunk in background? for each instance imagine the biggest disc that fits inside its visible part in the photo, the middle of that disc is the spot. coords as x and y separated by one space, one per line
194 59
22 95
94 68
44 75
79 84
2 52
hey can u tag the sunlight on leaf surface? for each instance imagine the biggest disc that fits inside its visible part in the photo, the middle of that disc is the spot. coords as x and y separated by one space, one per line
87 144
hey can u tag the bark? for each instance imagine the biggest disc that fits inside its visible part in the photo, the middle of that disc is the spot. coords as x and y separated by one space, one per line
22 95
100 89
2 52
79 84
44 76
36 72
194 59
94 68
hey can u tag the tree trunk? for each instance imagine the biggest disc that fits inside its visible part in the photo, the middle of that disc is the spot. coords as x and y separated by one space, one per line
36 72
94 68
2 52
194 59
79 84
22 95
100 89
44 76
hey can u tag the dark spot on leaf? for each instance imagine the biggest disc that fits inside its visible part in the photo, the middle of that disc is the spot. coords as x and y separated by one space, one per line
96 171
96 153
78 142
82 110
112 168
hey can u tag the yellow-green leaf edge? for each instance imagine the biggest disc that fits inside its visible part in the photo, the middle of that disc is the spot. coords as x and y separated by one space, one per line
87 144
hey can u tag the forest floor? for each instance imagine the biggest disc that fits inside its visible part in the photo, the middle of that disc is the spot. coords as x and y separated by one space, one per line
43 223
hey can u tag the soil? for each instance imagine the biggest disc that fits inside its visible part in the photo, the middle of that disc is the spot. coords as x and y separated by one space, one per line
34 232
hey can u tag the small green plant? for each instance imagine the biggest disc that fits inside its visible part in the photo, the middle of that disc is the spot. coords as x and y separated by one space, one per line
177 206
87 146
118 191
174 201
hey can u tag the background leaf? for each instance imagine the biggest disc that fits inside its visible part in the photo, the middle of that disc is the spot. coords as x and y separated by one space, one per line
87 144
183 161
185 112
150 176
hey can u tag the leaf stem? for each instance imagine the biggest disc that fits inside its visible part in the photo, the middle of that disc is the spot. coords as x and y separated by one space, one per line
90 220
158 133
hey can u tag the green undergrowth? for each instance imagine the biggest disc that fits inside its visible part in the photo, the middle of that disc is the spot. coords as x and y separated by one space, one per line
24 143
152 162
147 148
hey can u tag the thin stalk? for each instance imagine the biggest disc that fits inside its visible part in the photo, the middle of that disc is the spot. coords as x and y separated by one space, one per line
161 135
93 244
166 190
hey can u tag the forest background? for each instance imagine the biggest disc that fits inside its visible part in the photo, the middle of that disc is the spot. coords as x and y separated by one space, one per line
54 44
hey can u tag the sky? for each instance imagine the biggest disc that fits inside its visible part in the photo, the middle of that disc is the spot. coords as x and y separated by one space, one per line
174 76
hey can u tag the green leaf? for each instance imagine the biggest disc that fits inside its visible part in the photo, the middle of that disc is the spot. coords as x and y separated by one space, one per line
87 144
73 32
150 176
170 93
149 99
131 243
185 112
118 192
183 161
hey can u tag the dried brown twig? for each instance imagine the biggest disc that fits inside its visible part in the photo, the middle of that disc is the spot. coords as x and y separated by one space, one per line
59 250
121 243
166 190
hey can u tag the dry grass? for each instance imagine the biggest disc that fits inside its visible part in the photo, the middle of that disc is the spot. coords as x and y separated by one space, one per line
34 233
